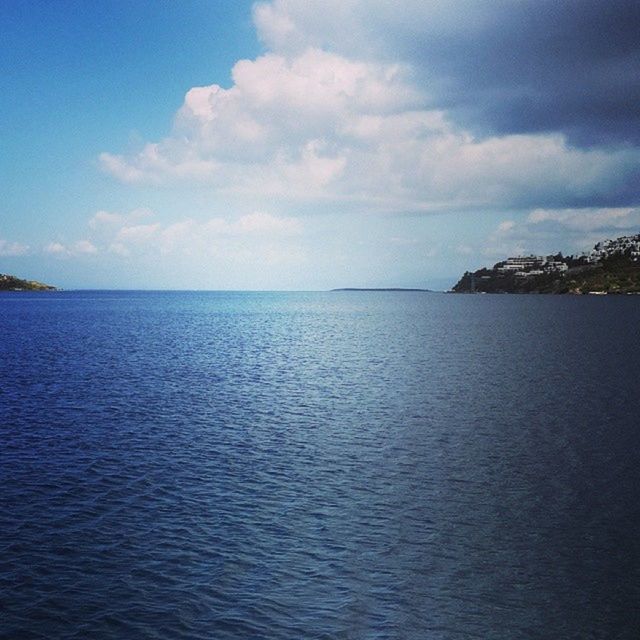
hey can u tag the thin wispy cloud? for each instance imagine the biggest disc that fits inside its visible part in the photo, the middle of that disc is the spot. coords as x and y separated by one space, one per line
12 249
125 235
78 248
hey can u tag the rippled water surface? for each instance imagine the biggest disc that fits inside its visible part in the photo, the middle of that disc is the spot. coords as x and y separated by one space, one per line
323 465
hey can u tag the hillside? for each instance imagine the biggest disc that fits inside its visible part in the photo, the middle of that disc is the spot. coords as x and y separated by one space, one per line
11 283
613 266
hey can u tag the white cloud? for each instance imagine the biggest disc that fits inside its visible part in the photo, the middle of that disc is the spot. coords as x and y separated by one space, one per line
105 218
285 126
119 249
505 226
264 223
125 235
317 124
252 250
81 247
84 246
56 249
138 233
354 27
112 218
568 230
276 26
437 41
12 249
589 219
329 116
511 238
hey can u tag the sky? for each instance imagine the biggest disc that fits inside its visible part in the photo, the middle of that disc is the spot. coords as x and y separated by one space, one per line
311 144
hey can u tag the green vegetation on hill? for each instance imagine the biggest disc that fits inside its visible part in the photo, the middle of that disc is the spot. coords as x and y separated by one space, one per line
614 274
11 283
617 274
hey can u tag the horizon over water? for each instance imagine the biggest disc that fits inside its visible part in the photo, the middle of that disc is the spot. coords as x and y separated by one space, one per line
318 465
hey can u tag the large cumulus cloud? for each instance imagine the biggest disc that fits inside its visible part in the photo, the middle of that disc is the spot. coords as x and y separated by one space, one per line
417 106
507 66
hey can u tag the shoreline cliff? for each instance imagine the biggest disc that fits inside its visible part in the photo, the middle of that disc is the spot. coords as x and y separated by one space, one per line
13 283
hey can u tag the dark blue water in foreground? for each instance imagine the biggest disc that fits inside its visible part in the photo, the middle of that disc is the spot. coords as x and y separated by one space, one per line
325 465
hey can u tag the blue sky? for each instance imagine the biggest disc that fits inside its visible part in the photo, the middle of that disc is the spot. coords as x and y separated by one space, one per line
307 144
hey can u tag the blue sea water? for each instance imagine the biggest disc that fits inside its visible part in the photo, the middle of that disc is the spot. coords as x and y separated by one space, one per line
342 465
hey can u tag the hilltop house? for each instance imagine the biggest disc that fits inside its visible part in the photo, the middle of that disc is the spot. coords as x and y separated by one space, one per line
607 248
525 266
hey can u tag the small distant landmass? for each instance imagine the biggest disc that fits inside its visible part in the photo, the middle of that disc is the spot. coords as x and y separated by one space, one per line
612 266
12 283
379 289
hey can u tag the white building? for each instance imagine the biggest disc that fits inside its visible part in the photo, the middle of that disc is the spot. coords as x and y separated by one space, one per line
521 263
618 246
523 266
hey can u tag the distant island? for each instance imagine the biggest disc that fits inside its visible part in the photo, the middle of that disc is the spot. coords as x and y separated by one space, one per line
613 266
12 283
384 289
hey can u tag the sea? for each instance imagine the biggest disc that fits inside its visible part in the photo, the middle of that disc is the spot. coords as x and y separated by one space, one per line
324 465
